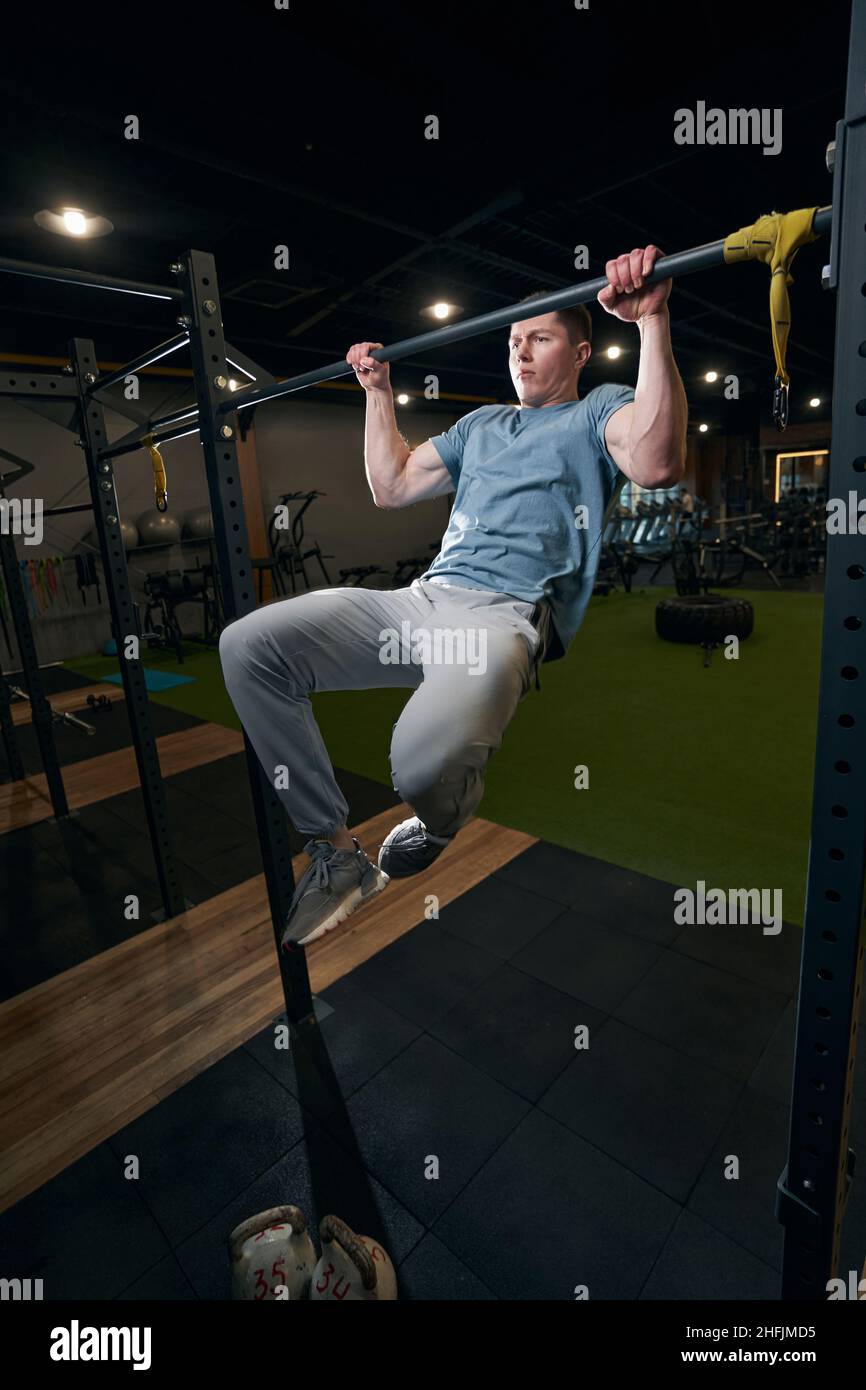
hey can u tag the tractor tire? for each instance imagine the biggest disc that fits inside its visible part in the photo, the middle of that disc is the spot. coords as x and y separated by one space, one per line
705 619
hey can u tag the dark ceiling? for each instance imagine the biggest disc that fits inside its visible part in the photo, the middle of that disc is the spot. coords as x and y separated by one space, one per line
306 127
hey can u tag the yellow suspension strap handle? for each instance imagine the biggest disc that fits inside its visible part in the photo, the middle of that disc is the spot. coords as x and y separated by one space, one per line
775 239
160 482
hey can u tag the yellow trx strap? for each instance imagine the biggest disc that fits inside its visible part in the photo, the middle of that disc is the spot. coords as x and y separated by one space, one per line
160 481
775 239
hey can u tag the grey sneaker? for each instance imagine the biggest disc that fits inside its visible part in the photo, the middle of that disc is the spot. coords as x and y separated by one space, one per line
410 848
335 884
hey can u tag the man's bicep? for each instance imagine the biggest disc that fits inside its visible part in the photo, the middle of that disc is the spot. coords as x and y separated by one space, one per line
425 476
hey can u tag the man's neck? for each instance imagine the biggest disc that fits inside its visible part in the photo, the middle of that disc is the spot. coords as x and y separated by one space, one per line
557 400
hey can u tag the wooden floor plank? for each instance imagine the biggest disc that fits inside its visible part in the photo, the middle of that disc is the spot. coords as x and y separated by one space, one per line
64 701
92 1049
109 774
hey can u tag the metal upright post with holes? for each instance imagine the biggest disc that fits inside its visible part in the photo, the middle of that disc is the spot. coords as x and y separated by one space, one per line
203 321
7 731
41 714
43 720
106 515
814 1184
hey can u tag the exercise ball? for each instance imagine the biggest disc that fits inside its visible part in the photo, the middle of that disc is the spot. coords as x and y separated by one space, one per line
128 530
198 524
158 528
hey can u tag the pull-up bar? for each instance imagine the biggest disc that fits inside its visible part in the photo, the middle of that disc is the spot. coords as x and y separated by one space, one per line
681 263
185 420
66 276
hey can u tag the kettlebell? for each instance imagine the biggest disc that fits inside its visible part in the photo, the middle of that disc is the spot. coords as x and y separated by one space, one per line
351 1268
271 1251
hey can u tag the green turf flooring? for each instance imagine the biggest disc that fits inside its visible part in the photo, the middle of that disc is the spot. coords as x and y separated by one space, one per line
694 773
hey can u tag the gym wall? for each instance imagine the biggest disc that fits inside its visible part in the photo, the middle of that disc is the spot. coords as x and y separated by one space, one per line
300 445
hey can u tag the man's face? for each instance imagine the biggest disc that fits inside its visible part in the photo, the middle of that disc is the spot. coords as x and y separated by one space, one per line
542 361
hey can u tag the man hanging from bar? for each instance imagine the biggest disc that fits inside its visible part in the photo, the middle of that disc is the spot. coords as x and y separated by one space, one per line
506 592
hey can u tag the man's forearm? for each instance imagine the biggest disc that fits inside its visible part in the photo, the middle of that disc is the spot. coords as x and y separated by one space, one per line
385 449
657 441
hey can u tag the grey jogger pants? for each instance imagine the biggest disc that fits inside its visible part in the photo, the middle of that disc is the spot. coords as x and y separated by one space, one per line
468 654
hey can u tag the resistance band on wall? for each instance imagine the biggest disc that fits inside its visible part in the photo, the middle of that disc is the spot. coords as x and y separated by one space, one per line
45 586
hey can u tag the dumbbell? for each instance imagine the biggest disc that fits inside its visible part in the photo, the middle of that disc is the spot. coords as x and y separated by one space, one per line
99 702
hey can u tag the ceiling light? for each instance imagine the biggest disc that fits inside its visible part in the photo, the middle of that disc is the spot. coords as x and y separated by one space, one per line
815 402
614 351
72 222
402 399
711 376
441 310
703 428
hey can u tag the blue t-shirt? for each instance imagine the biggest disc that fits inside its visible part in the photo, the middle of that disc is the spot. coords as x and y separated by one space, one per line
533 486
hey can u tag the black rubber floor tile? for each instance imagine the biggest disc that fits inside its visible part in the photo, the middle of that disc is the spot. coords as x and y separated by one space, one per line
743 1208
635 903
516 1029
717 1018
57 942
772 960
651 1108
208 1141
425 973
86 1233
548 1213
223 774
699 1263
594 963
165 1283
320 1178
774 1073
427 1106
54 680
198 831
498 916
225 871
49 925
100 853
562 875
196 888
361 1036
432 1273
221 788
128 807
206 832
33 885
